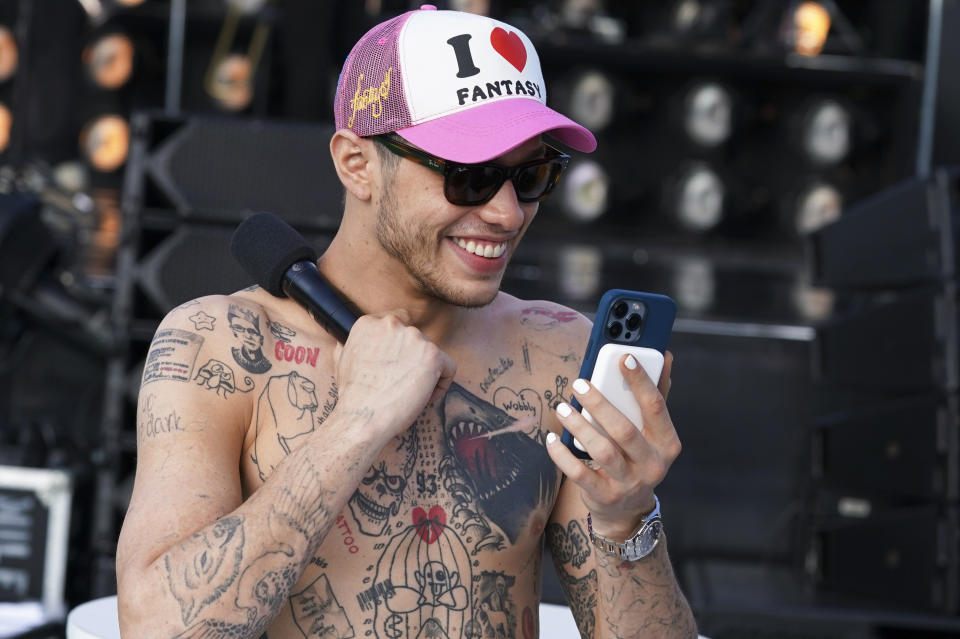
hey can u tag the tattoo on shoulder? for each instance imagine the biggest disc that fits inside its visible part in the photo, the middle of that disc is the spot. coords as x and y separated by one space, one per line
247 352
281 332
172 356
202 321
539 318
219 377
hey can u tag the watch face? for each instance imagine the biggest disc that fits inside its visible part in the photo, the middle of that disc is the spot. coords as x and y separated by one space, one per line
647 539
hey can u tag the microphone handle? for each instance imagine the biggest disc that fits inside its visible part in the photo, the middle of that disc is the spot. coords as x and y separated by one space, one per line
304 284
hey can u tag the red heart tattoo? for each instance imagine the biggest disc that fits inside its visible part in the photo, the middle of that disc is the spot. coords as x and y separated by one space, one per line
429 526
510 46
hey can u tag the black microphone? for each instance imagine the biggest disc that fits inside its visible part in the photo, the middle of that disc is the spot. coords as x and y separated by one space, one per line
285 265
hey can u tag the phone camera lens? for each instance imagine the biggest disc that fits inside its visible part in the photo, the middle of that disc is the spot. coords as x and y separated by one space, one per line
620 309
634 321
614 329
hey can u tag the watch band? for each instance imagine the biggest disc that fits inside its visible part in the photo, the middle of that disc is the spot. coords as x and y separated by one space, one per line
638 545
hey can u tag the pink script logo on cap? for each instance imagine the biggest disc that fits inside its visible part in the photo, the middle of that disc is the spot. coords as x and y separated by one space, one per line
464 87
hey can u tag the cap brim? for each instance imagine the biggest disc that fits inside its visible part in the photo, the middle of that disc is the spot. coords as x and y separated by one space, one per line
487 131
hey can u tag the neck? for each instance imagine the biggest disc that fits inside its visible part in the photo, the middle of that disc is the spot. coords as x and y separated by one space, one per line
375 282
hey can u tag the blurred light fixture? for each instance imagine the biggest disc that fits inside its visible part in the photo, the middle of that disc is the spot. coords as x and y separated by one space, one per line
698 199
229 76
694 284
812 303
109 60
817 206
130 3
579 271
232 82
708 116
479 7
592 100
9 54
810 26
585 190
826 132
6 124
105 142
247 7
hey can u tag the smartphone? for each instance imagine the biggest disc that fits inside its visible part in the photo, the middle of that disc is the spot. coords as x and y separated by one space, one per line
626 322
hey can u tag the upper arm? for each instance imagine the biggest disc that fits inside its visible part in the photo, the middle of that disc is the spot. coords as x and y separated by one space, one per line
190 433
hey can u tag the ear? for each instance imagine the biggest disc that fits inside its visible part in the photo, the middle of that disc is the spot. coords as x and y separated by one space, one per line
354 159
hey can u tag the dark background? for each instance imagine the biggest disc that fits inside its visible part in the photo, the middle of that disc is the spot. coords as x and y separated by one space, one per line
816 375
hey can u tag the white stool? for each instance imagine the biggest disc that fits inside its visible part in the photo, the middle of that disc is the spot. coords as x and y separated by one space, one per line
96 619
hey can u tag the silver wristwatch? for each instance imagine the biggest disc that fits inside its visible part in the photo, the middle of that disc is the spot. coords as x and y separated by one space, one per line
639 545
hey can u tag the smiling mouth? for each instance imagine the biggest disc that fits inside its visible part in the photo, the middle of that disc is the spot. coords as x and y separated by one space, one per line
490 250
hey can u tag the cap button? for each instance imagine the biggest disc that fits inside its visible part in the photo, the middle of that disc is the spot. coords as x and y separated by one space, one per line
428 7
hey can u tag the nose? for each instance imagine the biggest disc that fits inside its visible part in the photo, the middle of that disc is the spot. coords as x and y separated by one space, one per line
504 209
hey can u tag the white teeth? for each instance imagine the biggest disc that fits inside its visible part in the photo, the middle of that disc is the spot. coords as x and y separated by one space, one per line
482 249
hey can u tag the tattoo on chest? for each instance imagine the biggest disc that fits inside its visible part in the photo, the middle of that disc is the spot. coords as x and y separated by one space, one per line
317 613
502 367
288 408
281 332
555 397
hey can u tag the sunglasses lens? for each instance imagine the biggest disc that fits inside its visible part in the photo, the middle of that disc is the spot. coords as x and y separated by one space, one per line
470 185
534 182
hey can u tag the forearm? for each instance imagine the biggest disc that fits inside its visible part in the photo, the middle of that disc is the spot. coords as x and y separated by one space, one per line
641 599
232 577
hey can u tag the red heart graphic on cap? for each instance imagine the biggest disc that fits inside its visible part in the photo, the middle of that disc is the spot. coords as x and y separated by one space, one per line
510 46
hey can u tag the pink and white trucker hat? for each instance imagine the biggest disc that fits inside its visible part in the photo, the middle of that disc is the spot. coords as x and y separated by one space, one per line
463 87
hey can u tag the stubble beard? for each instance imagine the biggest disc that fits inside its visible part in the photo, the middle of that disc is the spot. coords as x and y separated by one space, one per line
407 245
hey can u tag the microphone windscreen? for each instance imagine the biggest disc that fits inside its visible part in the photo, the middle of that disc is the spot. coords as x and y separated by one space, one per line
266 246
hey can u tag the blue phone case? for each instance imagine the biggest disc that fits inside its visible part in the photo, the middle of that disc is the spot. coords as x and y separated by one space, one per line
659 312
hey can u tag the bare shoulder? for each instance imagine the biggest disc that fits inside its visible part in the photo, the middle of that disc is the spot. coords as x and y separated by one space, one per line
544 320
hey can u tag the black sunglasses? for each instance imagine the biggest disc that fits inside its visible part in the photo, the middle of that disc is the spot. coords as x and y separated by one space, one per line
475 184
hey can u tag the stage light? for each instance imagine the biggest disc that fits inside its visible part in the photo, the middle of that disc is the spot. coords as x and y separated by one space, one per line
585 190
479 7
698 199
109 60
811 24
9 54
6 123
105 142
247 7
579 272
826 132
694 284
592 100
708 114
817 206
812 303
232 84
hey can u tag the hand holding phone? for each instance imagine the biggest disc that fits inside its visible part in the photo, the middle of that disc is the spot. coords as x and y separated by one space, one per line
631 322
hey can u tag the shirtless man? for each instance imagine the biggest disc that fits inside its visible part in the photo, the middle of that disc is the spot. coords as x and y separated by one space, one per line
400 484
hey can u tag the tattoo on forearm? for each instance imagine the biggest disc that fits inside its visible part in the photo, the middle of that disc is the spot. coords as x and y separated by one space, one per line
582 596
201 568
219 377
570 546
172 356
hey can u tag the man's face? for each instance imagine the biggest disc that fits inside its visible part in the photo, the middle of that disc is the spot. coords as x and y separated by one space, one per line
247 333
438 242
